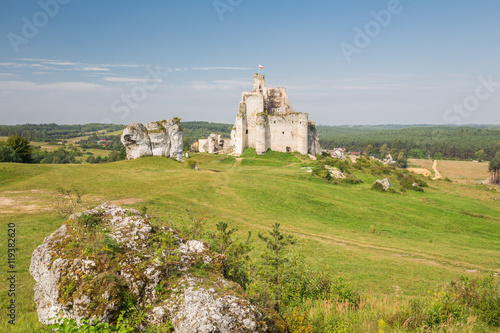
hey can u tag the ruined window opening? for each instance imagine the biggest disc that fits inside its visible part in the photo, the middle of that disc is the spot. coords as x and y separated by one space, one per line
301 123
283 132
246 132
275 121
288 149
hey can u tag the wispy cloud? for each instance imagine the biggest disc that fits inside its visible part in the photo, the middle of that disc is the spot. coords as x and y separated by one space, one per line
219 84
372 87
122 79
220 68
95 69
18 86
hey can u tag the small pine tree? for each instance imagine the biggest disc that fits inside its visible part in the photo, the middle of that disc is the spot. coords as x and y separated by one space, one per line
274 258
276 244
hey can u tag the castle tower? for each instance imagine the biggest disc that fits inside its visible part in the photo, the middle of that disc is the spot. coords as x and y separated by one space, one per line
266 121
260 134
240 140
303 134
259 83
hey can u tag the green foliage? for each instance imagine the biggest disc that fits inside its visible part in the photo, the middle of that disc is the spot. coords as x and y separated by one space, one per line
8 154
409 181
21 147
416 153
345 166
200 268
89 221
298 321
192 164
237 261
438 156
323 215
479 296
402 163
65 325
480 155
276 243
419 141
222 240
300 282
66 200
344 292
111 245
268 288
494 168
351 179
53 132
194 130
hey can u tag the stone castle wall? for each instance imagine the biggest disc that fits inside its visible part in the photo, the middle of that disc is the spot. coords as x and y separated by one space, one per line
265 121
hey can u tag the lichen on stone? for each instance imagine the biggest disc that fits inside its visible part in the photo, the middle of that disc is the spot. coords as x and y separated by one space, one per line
105 260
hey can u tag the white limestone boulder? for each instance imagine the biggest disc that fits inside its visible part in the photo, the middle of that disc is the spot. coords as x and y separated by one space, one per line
88 271
384 184
136 140
157 138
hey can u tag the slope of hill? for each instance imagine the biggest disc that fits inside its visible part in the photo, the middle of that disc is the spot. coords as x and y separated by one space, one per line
378 241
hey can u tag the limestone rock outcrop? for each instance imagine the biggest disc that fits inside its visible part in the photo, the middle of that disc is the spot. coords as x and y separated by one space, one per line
107 257
157 138
384 184
313 146
214 144
335 172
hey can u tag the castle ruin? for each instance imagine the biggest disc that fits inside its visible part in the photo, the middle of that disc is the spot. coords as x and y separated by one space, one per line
265 121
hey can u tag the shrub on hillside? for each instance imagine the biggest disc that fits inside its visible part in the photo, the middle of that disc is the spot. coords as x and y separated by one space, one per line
192 164
410 182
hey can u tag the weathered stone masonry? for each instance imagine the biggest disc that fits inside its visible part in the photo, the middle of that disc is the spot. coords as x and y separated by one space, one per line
265 121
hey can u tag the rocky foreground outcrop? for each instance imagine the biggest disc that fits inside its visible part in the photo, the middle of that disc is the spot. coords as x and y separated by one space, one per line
102 261
157 138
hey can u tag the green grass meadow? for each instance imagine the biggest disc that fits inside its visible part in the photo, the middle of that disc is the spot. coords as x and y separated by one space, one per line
383 244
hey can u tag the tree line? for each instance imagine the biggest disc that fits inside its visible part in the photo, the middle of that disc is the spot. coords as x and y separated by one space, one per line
19 150
419 141
54 132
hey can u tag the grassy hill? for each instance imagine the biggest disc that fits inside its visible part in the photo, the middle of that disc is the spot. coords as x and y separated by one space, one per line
383 244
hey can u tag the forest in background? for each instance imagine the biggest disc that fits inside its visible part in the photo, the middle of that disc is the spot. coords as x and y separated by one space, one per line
418 141
450 142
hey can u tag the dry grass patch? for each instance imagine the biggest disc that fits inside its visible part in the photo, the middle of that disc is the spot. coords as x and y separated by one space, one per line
463 172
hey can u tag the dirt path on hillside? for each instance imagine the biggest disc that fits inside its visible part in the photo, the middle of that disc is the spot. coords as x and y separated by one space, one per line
427 259
421 171
437 175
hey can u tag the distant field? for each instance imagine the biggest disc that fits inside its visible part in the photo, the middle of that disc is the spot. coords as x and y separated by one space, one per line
460 171
99 152
381 243
115 133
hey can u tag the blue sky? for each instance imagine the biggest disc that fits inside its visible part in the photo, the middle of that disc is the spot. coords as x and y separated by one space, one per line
414 61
